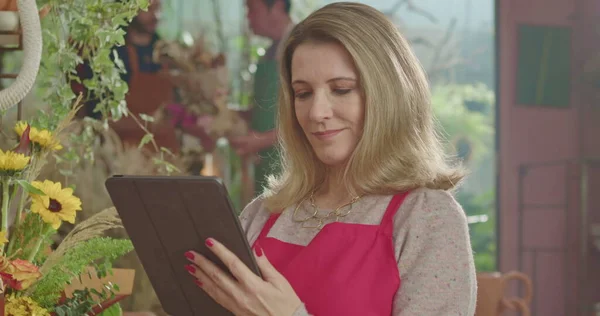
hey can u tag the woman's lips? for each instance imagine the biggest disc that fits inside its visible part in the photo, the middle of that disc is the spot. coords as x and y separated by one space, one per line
327 134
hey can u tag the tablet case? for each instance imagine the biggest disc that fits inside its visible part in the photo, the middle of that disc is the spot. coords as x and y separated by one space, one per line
167 216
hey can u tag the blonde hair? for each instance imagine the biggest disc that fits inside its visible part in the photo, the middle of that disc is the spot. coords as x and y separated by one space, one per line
399 149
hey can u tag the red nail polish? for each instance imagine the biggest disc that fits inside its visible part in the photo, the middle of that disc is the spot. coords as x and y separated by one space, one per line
209 242
189 255
259 251
190 268
198 283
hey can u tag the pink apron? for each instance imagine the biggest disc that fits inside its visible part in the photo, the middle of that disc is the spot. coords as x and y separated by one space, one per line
347 269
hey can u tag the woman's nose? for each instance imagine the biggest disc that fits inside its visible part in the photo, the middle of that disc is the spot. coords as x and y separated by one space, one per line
321 108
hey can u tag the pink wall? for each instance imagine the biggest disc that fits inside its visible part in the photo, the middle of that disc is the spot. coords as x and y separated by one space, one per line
588 47
551 195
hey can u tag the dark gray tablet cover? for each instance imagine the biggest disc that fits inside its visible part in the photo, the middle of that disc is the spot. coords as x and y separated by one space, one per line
167 216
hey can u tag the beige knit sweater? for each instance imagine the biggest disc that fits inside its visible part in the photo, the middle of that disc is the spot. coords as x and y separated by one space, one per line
432 248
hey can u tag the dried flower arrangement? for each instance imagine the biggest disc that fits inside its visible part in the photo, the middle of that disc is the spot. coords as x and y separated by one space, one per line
37 274
203 83
33 275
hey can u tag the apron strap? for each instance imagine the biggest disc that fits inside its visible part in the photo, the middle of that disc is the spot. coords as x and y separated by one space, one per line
268 225
387 222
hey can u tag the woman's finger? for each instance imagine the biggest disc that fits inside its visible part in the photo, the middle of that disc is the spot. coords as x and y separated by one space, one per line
268 271
213 290
237 268
214 273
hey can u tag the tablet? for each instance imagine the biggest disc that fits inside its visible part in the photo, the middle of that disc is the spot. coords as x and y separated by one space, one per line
167 216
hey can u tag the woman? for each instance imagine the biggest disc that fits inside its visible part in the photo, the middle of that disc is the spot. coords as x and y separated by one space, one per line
360 221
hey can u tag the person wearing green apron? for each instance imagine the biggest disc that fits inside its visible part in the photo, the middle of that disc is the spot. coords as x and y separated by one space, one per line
270 19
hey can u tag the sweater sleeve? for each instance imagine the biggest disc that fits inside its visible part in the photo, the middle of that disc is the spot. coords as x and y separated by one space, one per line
253 218
301 311
435 260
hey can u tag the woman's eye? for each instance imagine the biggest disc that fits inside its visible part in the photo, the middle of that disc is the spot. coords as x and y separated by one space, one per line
342 91
301 95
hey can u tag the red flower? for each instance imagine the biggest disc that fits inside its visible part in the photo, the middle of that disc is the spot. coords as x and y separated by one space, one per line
20 274
24 146
9 281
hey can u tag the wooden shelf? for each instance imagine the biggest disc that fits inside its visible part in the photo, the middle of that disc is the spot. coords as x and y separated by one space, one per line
17 32
18 41
10 49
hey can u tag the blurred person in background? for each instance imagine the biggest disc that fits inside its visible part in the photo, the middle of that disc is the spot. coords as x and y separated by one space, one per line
149 85
269 19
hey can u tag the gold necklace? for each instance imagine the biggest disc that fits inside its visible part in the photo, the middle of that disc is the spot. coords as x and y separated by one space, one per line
337 213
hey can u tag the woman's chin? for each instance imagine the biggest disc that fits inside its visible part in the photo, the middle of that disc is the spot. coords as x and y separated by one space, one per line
333 159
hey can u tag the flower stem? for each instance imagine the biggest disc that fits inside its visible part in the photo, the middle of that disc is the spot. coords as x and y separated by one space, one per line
5 203
18 220
39 243
22 200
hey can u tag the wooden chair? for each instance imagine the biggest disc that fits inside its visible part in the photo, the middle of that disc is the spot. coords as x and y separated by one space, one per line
491 290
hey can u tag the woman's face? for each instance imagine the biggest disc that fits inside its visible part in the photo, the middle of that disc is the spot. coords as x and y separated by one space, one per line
328 100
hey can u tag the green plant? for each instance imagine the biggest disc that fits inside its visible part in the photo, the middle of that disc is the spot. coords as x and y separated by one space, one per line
100 251
114 310
78 32
33 275
26 237
483 236
464 113
84 301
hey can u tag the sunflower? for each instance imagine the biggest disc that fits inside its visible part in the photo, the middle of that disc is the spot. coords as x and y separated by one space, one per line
57 205
11 161
44 138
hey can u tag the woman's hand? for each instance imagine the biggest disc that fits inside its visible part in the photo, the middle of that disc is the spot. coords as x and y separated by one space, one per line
247 294
253 142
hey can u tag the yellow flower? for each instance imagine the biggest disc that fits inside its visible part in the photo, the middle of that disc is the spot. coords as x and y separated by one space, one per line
43 138
23 306
11 161
57 205
20 127
3 238
46 140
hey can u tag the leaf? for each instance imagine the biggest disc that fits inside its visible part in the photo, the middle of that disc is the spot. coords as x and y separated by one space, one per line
167 151
146 117
145 140
114 310
143 4
65 172
28 187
